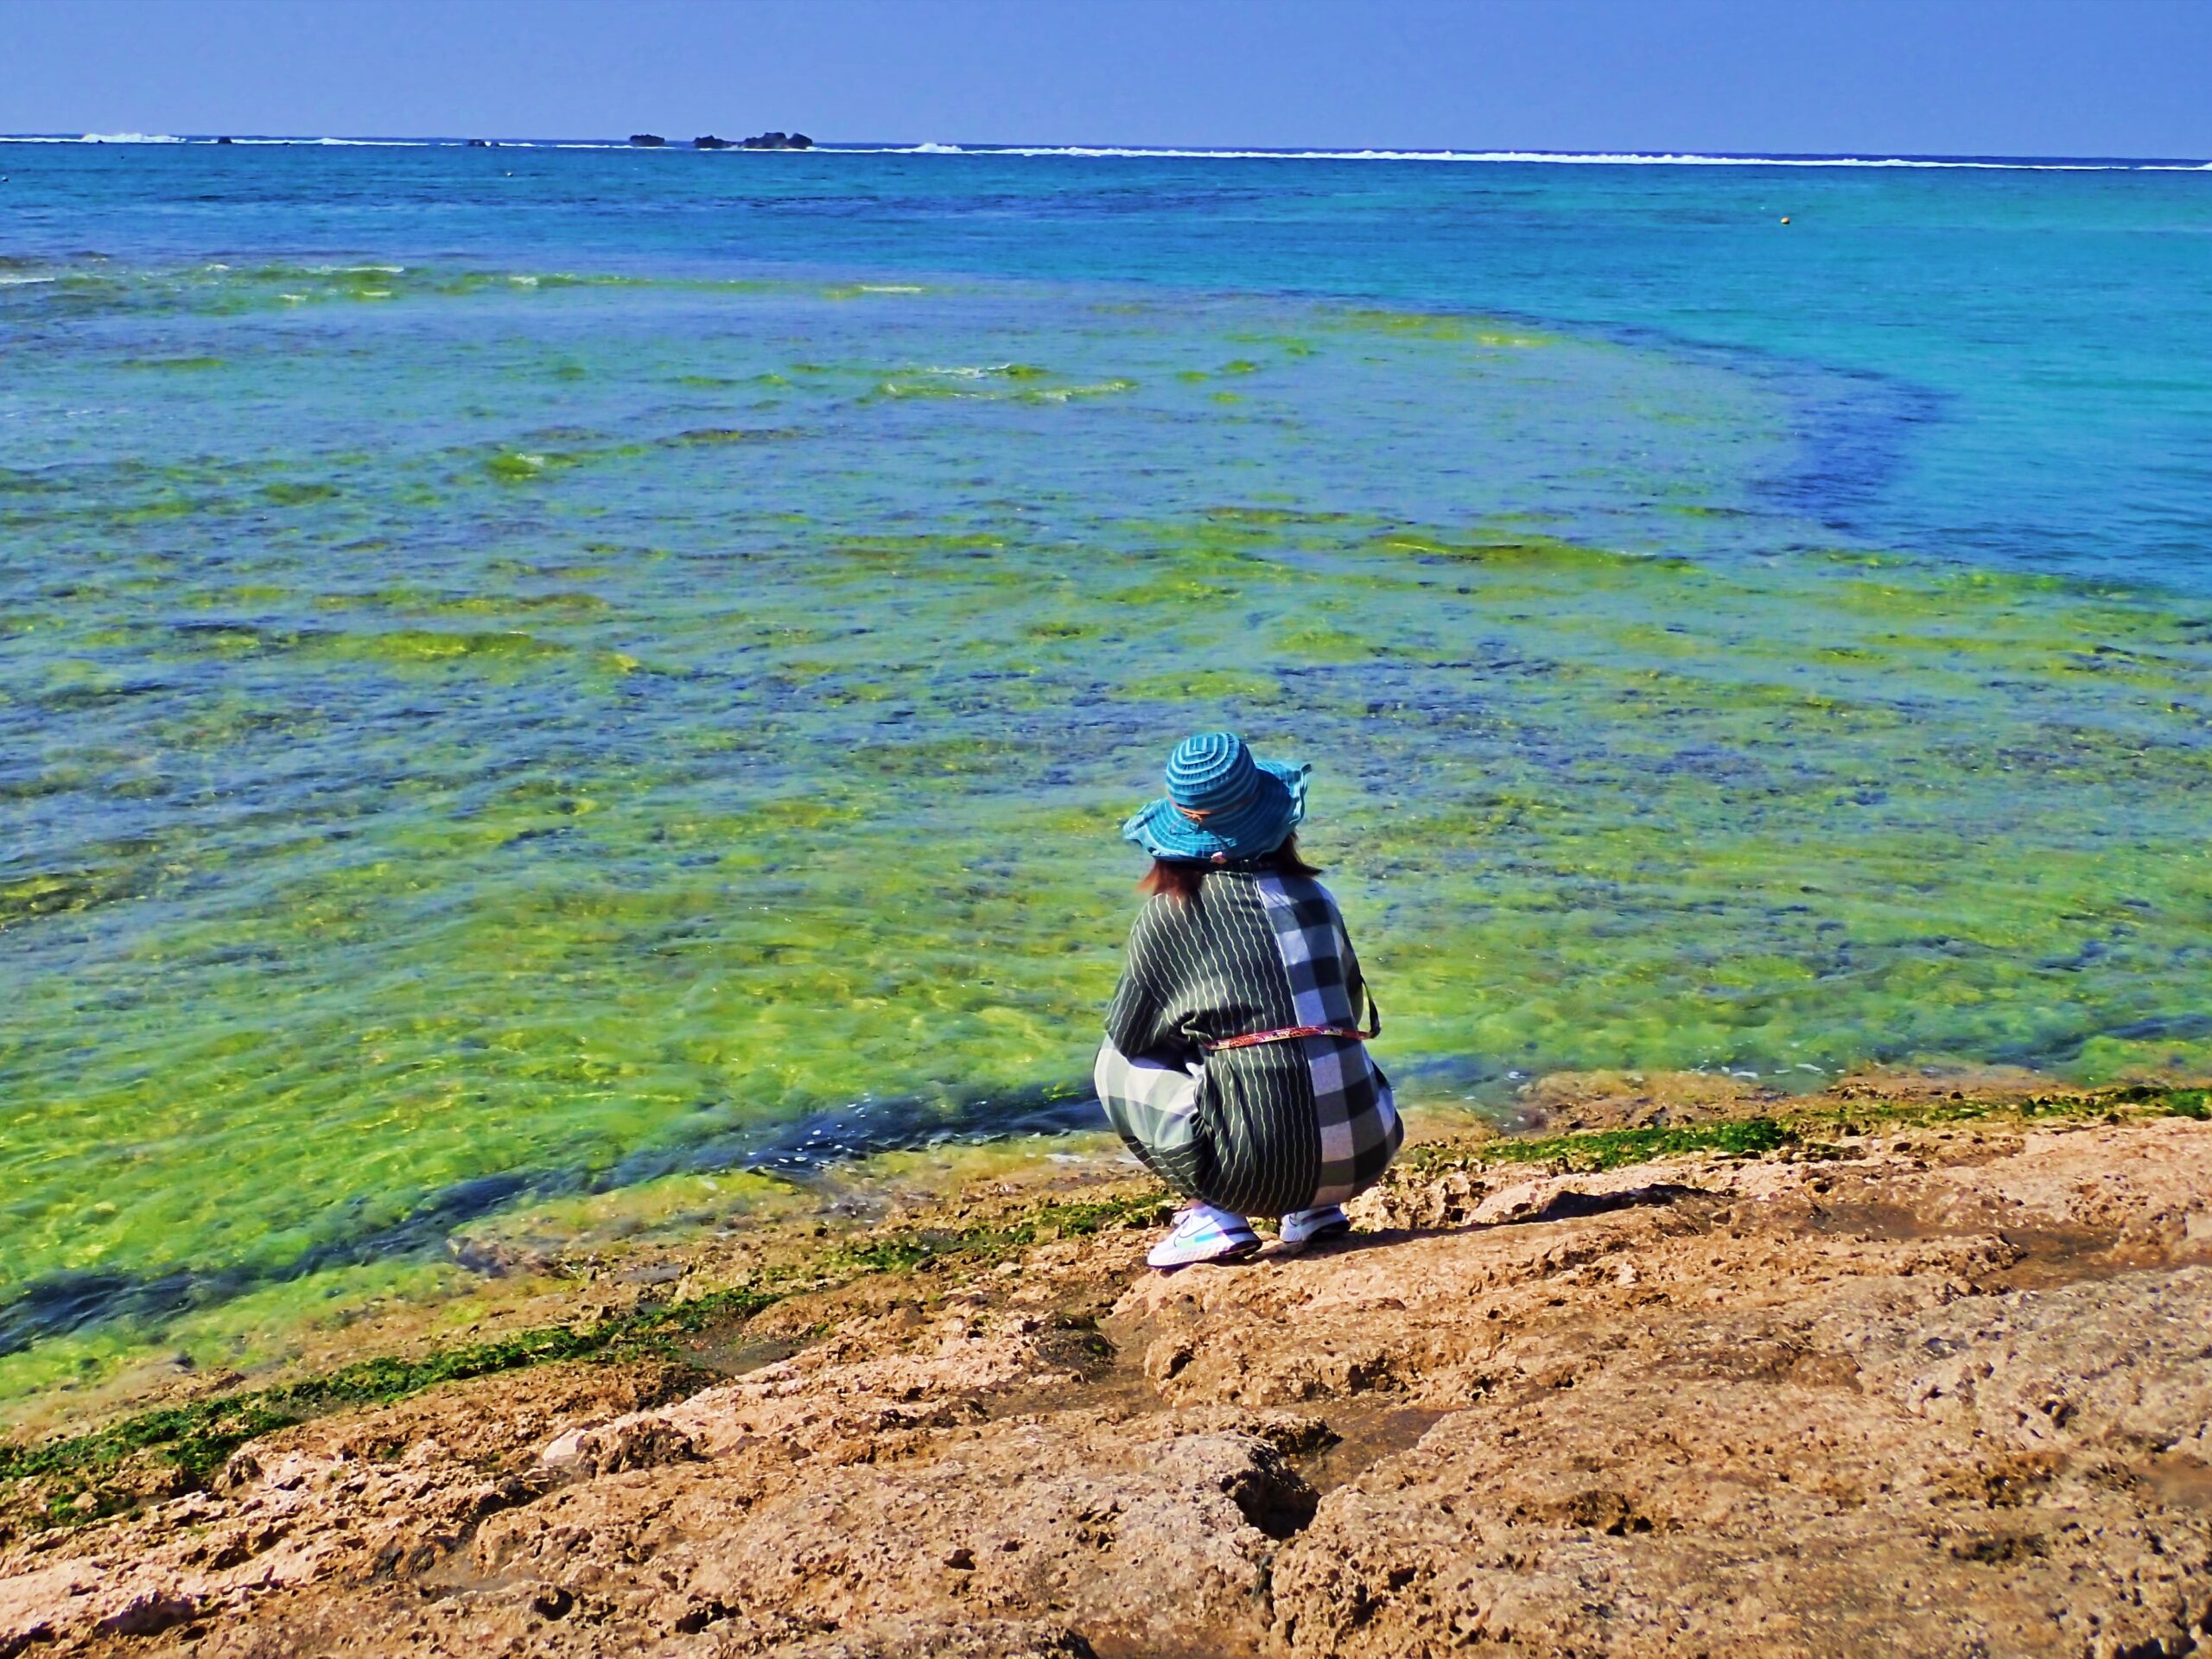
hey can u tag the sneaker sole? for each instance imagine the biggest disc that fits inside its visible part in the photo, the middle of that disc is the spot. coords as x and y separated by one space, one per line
1233 1253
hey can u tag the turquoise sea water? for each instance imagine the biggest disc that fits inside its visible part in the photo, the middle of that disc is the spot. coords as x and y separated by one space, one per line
529 673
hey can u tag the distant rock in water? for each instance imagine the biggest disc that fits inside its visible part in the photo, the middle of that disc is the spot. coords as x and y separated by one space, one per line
647 140
758 141
222 141
481 143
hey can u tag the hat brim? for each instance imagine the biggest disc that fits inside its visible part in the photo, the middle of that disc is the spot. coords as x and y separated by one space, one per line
1253 830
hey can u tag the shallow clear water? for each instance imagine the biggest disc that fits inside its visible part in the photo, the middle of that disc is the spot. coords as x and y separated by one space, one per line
527 673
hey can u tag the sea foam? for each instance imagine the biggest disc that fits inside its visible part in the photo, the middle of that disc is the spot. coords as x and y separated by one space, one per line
1542 157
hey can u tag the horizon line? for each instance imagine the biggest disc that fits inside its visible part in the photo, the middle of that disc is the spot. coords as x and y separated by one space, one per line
1863 157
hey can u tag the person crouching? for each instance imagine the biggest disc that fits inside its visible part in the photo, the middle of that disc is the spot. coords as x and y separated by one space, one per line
1235 1066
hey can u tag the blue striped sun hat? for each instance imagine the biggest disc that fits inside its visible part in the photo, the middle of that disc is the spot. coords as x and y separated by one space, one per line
1221 804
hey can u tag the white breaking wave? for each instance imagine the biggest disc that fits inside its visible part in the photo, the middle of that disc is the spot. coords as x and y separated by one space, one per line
90 138
1584 158
1544 157
380 143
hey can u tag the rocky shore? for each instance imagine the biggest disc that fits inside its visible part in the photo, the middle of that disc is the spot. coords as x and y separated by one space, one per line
1866 1374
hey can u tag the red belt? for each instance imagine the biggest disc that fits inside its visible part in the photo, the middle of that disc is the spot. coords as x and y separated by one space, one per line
1253 1039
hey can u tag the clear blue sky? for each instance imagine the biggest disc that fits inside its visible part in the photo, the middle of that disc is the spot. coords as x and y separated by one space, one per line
2004 77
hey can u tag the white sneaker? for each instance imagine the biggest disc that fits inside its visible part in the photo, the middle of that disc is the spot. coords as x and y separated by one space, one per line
1308 1226
1202 1233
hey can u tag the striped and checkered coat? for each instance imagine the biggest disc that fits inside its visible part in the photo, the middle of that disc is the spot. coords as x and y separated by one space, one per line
1265 1130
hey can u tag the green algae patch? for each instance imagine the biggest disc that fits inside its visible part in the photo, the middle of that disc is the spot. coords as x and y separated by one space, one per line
913 1250
1523 549
1074 394
921 549
410 646
218 290
1598 1149
542 460
573 603
1315 642
174 365
673 1205
297 495
2128 1102
514 467
979 386
1441 326
1263 519
1206 686
59 891
708 436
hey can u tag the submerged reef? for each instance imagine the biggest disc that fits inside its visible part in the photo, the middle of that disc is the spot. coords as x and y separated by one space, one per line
712 707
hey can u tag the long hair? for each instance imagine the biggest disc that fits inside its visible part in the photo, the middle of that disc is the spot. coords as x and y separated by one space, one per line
1181 878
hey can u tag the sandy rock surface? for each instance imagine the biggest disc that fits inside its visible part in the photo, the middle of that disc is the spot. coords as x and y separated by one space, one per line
1937 1393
